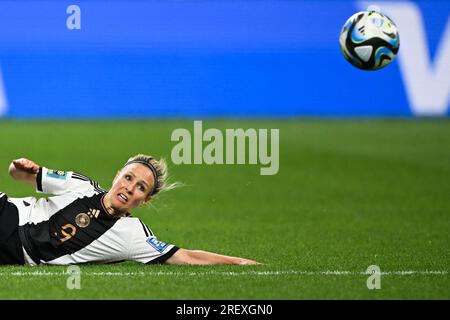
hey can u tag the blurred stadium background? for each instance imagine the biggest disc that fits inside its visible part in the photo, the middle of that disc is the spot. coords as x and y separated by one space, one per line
214 58
370 187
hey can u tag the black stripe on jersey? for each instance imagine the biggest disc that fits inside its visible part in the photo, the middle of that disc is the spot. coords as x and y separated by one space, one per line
39 180
164 257
93 183
80 176
147 231
97 187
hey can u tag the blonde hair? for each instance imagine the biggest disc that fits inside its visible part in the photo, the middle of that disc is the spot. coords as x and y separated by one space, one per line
159 170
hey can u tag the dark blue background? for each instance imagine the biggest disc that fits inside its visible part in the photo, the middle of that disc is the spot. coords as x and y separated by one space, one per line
192 59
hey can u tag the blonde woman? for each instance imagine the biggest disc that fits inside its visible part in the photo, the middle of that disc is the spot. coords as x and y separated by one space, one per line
82 223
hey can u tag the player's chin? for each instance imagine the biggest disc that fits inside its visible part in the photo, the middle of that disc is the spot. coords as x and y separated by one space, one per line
119 205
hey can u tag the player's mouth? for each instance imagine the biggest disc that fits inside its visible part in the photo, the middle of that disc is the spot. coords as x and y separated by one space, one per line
122 198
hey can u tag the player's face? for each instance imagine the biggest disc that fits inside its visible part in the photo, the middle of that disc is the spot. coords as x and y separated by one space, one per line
131 187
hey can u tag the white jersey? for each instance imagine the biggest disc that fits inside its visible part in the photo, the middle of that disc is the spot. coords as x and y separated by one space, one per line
73 227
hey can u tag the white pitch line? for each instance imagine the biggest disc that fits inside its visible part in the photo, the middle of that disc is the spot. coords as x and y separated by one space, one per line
226 273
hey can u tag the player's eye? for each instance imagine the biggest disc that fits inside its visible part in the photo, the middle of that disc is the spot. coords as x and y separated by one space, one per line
142 188
128 177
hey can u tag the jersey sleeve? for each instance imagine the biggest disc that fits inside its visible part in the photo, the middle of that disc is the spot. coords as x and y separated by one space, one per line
146 248
59 182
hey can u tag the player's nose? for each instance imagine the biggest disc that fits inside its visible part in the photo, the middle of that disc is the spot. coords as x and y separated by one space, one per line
129 189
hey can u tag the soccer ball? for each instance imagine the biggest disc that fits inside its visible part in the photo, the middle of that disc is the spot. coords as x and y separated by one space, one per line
369 40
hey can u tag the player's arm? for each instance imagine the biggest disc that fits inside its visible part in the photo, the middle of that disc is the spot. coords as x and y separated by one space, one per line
144 247
24 170
49 181
199 257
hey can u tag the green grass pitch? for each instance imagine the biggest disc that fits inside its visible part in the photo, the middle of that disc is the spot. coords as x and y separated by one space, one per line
349 194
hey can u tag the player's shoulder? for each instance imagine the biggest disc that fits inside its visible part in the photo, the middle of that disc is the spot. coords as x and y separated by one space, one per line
82 179
135 225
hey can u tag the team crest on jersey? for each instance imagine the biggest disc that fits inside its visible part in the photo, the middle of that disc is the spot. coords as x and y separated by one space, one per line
158 245
58 174
82 220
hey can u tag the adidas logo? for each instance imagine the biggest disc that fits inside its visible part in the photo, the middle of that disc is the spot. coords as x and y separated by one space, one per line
93 213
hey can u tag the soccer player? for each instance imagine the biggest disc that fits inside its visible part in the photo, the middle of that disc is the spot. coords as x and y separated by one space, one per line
83 223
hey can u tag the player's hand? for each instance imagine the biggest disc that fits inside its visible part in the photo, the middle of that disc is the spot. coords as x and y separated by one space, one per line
26 165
